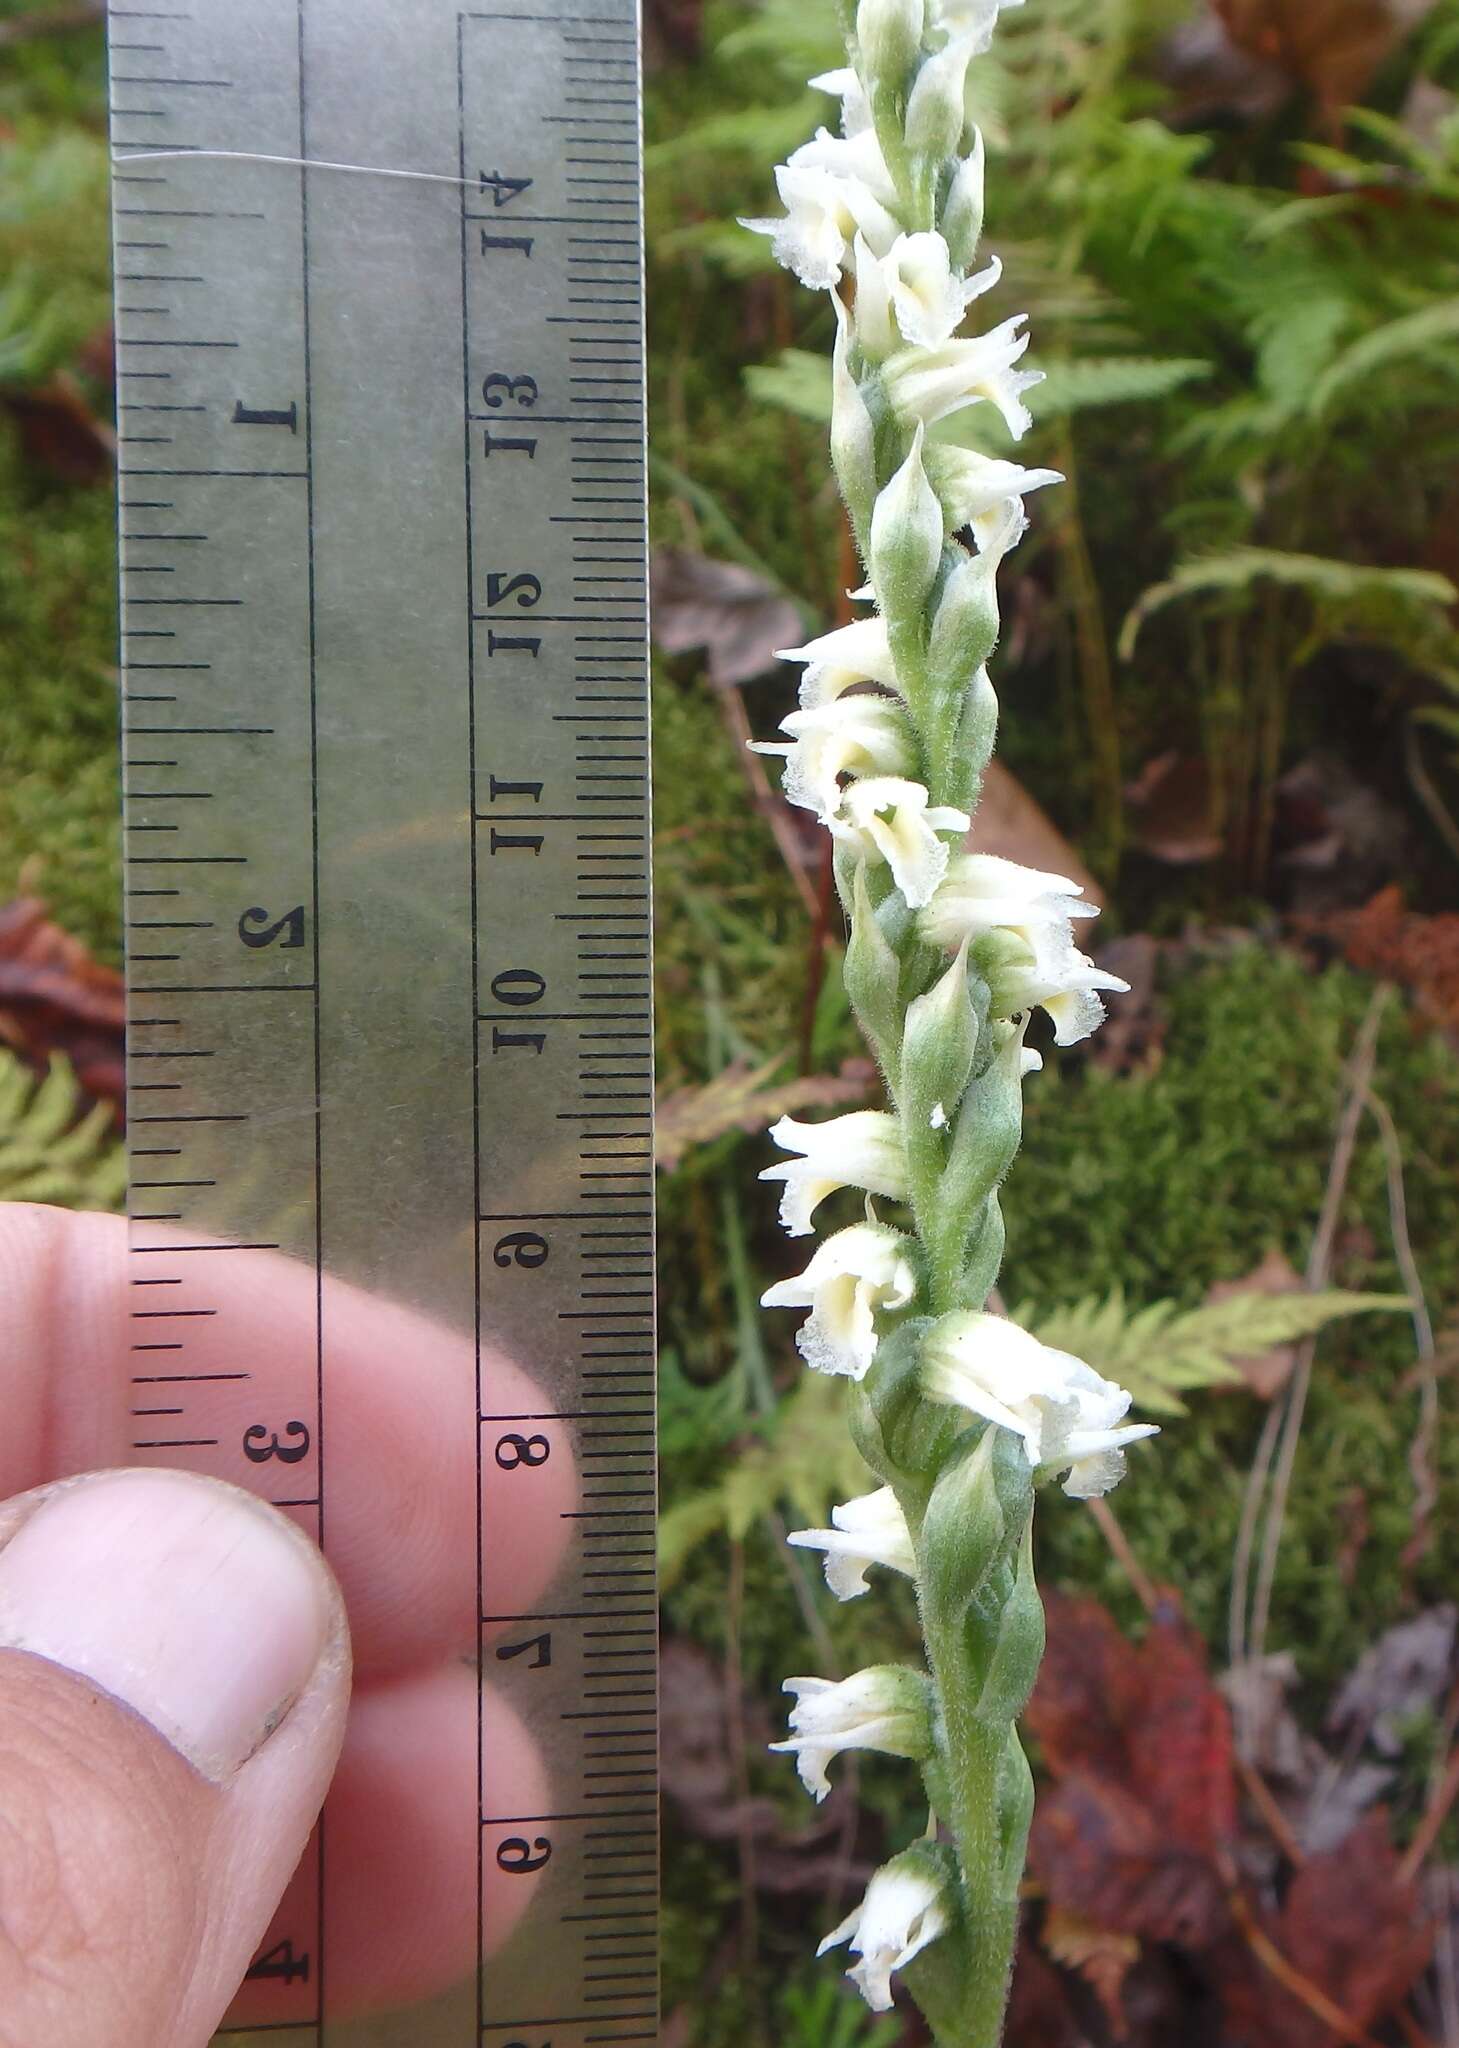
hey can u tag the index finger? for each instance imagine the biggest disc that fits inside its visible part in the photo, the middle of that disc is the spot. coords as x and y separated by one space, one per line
229 1362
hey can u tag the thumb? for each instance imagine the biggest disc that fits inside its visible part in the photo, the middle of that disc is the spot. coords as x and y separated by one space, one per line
174 1673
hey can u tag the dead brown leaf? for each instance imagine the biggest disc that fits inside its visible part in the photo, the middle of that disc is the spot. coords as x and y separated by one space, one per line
1420 953
1011 824
58 430
1333 48
738 617
1102 1959
1169 804
1350 1926
1267 1372
1143 1805
1133 1036
742 1098
54 997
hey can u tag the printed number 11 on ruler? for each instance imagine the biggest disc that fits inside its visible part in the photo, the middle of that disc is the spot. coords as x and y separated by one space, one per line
384 618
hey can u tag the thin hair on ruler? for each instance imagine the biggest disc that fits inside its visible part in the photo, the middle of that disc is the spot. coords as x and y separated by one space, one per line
298 163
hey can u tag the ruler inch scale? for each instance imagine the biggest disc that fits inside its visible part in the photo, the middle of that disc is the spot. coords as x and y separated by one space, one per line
379 288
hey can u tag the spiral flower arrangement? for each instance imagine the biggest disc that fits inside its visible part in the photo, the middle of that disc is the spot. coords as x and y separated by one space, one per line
959 1412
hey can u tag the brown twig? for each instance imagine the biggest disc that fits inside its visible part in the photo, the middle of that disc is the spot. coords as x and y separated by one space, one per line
770 806
1264 1800
1291 1979
1422 1452
1434 1816
63 21
1119 1543
1319 1267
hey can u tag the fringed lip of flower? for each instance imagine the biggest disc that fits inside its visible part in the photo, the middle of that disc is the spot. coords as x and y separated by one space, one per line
929 384
892 820
860 1150
887 1707
904 1909
983 893
1066 1414
856 735
855 1273
869 1530
836 662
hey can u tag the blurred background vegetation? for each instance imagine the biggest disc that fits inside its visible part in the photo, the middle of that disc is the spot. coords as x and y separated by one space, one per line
1230 680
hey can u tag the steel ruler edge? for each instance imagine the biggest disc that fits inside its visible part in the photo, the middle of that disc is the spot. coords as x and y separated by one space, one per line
388 913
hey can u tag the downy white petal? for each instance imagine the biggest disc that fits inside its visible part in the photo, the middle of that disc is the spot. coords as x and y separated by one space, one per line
1066 1414
927 296
884 1707
861 1150
868 1530
890 819
836 662
930 384
861 735
904 1909
854 1273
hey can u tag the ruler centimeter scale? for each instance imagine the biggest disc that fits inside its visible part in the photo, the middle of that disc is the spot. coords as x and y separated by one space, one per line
384 620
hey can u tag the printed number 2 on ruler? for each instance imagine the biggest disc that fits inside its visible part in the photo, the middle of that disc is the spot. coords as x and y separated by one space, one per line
379 339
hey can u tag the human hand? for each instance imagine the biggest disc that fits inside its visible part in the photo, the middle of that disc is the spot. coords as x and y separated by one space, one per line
175 1663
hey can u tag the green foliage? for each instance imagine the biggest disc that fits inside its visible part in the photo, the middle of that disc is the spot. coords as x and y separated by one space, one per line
820 2013
803 1459
52 1148
1161 1351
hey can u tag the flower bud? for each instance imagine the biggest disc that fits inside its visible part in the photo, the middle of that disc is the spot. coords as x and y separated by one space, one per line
871 974
887 1707
937 105
889 34
907 533
964 628
874 328
853 437
962 210
1013 1646
939 1041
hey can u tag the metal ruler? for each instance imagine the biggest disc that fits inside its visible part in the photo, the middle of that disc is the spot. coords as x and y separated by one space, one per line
384 598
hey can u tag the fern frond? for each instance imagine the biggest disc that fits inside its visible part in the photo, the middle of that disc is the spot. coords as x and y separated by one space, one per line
1347 587
1429 333
50 1151
1160 1352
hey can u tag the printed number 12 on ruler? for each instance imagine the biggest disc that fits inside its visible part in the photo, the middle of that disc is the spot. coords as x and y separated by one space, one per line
390 1092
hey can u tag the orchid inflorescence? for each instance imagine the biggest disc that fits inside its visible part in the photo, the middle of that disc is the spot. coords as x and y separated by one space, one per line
960 1413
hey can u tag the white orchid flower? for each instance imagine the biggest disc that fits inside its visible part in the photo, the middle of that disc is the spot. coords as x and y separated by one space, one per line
1065 1413
852 1275
1046 971
868 1530
982 893
904 1909
890 819
929 384
860 1150
975 488
822 215
856 158
883 1707
976 18
845 86
836 662
927 298
849 736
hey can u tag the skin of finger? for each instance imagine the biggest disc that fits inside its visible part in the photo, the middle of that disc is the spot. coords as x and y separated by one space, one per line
133 1890
399 1395
401 1847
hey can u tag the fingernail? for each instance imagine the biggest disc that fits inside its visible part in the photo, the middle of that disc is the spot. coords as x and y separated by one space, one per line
183 1598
